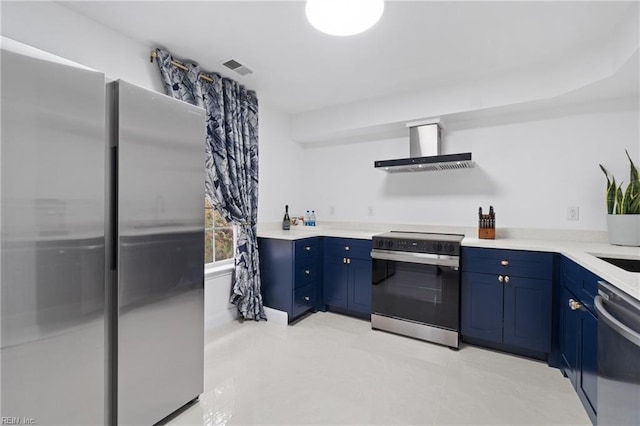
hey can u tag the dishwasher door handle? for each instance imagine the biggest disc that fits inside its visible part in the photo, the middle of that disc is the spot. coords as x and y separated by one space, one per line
604 315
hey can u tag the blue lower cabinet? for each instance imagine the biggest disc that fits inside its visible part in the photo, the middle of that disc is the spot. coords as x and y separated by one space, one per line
481 307
291 274
335 276
569 337
578 334
347 276
511 308
527 313
304 299
359 294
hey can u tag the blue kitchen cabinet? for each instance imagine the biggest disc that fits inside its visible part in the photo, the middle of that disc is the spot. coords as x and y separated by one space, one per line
527 313
481 306
291 274
347 276
507 300
569 337
360 286
335 276
578 343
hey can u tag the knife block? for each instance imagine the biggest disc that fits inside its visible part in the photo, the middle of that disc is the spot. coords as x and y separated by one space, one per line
487 233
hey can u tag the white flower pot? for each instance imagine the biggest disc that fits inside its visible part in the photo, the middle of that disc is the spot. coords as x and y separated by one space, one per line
624 229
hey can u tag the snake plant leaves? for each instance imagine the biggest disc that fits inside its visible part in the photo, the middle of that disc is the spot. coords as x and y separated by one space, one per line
619 200
611 191
627 199
634 188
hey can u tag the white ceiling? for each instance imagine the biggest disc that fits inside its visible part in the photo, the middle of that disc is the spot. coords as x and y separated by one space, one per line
417 45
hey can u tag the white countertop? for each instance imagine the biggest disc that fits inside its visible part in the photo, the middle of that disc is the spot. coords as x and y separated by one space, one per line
300 232
581 252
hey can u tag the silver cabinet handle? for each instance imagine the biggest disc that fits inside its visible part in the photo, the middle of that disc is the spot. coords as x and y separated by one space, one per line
306 271
506 279
346 248
604 315
307 248
344 260
500 278
504 262
307 298
348 260
574 305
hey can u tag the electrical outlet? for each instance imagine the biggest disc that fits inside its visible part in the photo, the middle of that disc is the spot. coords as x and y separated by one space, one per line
370 210
573 213
332 211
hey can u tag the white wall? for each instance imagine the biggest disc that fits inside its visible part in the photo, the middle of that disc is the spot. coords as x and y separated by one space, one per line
217 309
280 166
530 170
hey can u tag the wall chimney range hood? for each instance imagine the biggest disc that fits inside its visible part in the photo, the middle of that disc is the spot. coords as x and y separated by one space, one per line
424 153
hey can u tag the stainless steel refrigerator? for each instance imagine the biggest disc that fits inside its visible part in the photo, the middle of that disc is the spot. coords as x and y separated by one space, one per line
157 220
101 238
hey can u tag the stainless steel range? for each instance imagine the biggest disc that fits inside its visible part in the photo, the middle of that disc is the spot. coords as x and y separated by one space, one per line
416 285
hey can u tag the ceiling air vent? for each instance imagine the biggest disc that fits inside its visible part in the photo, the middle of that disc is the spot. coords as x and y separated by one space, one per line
236 66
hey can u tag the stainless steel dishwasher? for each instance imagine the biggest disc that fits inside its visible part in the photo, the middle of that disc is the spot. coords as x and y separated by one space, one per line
618 356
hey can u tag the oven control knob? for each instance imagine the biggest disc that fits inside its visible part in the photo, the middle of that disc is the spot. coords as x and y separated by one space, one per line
389 243
437 247
380 243
448 248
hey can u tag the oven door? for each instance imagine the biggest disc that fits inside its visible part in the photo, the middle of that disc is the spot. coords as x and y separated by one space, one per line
424 293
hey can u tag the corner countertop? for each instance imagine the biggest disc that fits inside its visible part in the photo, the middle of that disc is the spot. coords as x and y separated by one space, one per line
582 252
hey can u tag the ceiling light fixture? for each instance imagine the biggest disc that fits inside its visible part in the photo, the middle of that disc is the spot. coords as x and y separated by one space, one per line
344 17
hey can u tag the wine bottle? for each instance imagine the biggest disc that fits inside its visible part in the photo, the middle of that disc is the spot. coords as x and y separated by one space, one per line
286 222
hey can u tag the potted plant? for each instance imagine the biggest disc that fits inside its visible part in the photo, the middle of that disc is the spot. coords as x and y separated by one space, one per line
623 208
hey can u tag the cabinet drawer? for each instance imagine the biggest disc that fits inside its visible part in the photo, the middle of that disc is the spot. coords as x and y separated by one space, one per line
306 274
307 251
348 247
508 262
304 298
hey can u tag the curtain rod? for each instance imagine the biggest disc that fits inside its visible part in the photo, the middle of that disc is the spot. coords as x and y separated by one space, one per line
182 66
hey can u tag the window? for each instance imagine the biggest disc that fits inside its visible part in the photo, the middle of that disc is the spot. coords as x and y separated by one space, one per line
219 240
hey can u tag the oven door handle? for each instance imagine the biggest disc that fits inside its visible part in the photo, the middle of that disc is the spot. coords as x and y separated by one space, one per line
423 258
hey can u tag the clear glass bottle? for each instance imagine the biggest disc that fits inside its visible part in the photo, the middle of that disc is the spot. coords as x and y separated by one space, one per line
307 219
313 218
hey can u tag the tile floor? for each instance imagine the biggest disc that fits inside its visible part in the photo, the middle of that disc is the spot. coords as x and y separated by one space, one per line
330 369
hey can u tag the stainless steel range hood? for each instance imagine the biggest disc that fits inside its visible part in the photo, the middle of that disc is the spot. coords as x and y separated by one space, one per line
424 153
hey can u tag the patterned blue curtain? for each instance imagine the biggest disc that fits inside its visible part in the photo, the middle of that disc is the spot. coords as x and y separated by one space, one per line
231 183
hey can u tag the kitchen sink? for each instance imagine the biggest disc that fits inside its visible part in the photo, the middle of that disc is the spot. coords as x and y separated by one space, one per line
631 265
